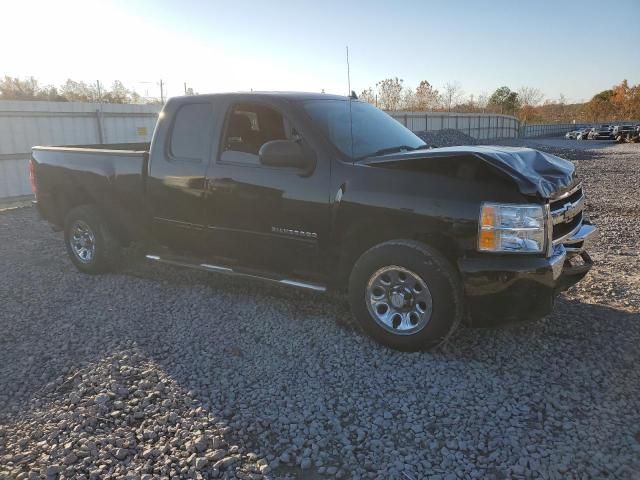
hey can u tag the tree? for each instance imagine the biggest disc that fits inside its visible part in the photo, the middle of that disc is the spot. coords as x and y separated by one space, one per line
79 91
368 95
426 97
451 95
504 100
28 89
390 93
118 94
601 107
482 101
408 100
626 100
530 96
12 88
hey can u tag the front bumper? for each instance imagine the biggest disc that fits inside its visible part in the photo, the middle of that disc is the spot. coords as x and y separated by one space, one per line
509 287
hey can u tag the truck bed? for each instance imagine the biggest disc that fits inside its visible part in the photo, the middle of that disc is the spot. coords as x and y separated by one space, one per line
110 175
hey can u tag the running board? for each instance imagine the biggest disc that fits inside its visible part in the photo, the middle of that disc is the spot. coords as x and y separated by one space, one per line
207 267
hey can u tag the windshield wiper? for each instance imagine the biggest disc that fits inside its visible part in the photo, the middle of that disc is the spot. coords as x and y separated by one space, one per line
399 148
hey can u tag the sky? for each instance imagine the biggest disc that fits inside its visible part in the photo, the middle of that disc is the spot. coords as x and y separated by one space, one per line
561 47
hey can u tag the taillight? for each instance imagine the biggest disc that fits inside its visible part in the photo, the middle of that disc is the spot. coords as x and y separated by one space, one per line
32 176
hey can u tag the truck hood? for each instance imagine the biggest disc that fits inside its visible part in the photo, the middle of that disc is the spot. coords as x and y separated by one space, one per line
535 172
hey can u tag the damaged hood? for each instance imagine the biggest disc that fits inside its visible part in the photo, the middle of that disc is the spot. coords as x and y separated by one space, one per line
535 172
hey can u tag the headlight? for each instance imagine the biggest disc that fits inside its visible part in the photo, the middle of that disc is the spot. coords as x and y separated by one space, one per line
511 228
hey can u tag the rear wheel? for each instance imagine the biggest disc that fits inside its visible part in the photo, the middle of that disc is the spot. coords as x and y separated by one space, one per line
406 295
90 242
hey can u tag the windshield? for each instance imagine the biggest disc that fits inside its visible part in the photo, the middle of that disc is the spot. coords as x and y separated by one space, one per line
374 132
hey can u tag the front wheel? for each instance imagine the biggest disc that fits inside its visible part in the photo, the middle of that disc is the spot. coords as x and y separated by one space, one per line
90 242
406 295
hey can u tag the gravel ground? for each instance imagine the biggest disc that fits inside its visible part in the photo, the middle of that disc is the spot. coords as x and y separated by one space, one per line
446 138
164 373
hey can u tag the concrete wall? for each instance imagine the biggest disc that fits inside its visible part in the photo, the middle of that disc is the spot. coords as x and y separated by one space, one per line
25 124
477 125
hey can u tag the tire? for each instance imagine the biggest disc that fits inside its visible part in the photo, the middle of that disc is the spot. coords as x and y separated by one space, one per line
90 242
423 267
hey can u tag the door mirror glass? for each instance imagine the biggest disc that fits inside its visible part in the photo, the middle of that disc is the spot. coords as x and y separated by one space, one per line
282 153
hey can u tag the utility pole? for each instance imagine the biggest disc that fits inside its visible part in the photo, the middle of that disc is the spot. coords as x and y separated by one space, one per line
185 88
99 113
161 92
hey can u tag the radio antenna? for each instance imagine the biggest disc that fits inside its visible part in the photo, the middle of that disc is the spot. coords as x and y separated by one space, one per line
350 99
348 74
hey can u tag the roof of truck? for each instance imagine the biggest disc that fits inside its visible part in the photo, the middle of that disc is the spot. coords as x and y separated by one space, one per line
294 96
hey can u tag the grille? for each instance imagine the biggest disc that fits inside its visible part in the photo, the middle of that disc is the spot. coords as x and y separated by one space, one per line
566 213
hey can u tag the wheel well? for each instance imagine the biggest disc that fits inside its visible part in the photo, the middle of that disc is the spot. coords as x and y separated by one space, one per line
65 202
361 238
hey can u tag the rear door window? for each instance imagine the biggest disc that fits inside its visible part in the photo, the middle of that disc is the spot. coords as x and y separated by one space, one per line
190 136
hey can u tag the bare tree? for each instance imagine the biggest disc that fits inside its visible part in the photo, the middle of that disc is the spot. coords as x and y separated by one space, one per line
368 95
427 97
409 102
79 91
530 96
451 94
390 93
482 101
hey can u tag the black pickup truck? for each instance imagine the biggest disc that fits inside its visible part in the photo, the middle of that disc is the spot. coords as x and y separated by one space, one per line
326 192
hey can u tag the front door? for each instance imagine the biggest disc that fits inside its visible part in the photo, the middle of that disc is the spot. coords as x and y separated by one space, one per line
267 218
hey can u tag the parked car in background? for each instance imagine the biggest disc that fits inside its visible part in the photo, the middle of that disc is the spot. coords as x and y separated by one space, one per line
583 133
623 133
603 132
572 135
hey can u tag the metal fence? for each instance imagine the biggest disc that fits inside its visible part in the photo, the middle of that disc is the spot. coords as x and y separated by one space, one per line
477 125
24 124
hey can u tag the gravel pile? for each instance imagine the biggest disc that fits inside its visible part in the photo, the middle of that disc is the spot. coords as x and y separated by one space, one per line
611 176
446 138
165 373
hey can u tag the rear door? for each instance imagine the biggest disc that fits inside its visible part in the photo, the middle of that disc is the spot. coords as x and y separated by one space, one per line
267 218
176 179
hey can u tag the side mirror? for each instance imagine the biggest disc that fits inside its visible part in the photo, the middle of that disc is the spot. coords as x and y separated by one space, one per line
282 153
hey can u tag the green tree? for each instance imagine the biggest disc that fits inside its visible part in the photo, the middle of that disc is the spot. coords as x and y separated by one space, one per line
504 100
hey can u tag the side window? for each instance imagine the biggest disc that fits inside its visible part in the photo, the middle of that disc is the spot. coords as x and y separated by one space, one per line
248 128
190 133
